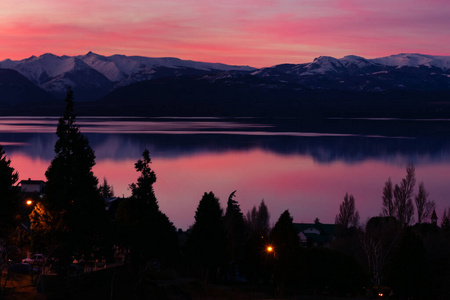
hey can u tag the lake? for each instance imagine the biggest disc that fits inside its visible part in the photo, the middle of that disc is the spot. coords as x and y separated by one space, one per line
293 164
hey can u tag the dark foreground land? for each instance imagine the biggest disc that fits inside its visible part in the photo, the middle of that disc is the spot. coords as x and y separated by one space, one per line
119 283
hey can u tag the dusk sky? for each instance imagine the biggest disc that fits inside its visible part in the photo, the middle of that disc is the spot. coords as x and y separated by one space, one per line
243 32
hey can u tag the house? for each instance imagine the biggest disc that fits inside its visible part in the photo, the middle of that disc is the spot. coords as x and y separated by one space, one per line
32 186
315 234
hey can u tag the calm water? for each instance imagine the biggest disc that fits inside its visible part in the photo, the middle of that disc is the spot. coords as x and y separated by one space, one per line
290 167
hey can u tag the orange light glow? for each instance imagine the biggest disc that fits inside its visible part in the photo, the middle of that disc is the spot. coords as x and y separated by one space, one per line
29 202
269 249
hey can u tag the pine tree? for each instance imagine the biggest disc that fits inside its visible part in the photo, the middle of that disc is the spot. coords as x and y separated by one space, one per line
258 220
71 194
235 230
9 195
257 223
284 236
144 229
207 241
106 190
143 189
285 244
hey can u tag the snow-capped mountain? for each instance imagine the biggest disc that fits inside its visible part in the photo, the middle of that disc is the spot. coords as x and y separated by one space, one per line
396 72
120 67
93 76
355 64
415 61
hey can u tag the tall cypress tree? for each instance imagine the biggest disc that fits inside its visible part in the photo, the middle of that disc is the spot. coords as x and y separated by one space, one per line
72 198
235 231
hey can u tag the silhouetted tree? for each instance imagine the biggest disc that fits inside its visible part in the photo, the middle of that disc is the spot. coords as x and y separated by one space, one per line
143 228
424 206
286 243
235 231
71 194
258 220
9 196
143 189
347 229
207 242
10 206
388 199
284 236
348 216
378 241
106 190
445 223
258 228
403 206
42 220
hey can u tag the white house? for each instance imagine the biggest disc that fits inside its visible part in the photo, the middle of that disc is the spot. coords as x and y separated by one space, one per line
32 186
315 234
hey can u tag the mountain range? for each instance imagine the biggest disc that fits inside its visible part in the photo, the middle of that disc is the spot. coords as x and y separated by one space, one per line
111 84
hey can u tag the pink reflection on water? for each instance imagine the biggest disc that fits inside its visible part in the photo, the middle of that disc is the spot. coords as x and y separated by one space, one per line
119 174
307 188
28 167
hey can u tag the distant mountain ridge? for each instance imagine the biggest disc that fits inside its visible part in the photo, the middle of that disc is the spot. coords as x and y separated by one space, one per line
94 75
148 80
354 73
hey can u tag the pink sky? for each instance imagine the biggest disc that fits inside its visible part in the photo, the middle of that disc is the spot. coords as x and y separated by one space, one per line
245 32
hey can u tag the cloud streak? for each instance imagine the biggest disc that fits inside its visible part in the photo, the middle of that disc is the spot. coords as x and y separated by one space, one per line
258 33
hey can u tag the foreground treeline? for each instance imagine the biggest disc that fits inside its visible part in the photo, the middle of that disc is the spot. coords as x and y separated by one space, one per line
70 223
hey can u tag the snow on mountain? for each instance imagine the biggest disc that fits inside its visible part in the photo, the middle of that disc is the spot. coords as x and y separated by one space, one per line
118 67
358 61
327 64
38 69
54 73
93 75
47 68
104 65
396 72
322 65
414 60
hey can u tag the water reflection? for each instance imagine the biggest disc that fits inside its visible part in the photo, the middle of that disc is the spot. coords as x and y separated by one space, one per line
322 148
304 171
